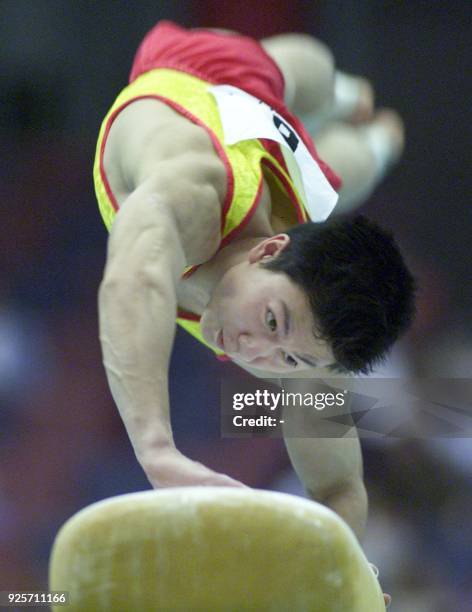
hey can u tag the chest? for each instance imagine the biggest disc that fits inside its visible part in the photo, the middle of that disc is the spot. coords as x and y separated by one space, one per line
194 292
129 150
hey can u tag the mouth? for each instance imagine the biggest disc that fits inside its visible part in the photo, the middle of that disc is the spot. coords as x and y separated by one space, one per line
219 340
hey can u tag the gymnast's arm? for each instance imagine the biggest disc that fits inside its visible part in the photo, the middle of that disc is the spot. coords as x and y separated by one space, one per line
330 469
137 311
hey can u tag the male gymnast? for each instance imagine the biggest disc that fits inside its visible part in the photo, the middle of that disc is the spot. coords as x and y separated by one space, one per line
216 202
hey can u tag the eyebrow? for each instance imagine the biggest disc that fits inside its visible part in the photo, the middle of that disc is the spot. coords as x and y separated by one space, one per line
286 318
305 358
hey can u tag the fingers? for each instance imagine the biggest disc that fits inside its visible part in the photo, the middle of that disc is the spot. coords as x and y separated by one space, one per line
375 569
387 597
221 480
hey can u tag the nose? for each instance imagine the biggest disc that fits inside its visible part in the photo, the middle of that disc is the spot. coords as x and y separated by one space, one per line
254 346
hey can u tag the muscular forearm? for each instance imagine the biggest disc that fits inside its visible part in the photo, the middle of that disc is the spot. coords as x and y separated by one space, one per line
351 503
137 305
330 468
136 333
137 308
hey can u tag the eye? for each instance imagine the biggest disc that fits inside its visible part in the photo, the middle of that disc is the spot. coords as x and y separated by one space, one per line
271 320
288 359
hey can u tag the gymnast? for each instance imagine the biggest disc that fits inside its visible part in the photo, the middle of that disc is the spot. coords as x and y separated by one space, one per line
217 201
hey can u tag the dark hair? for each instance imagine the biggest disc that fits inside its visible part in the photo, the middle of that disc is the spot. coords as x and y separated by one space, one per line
360 290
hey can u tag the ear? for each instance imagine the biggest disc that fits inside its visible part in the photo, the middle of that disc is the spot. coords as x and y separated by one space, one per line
269 248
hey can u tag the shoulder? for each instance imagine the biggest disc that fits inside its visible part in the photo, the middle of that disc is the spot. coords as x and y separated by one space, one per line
152 145
148 132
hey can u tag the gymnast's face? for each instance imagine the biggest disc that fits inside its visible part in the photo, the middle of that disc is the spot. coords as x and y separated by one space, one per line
262 319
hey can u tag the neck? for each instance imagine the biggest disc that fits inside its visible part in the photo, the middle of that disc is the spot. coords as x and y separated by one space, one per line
231 255
196 293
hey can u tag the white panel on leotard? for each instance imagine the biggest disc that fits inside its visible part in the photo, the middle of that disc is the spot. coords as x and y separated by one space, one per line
244 117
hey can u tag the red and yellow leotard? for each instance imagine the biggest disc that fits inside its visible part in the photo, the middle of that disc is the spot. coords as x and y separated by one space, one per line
178 67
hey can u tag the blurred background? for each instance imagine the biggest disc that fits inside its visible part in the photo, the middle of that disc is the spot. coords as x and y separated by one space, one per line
62 443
